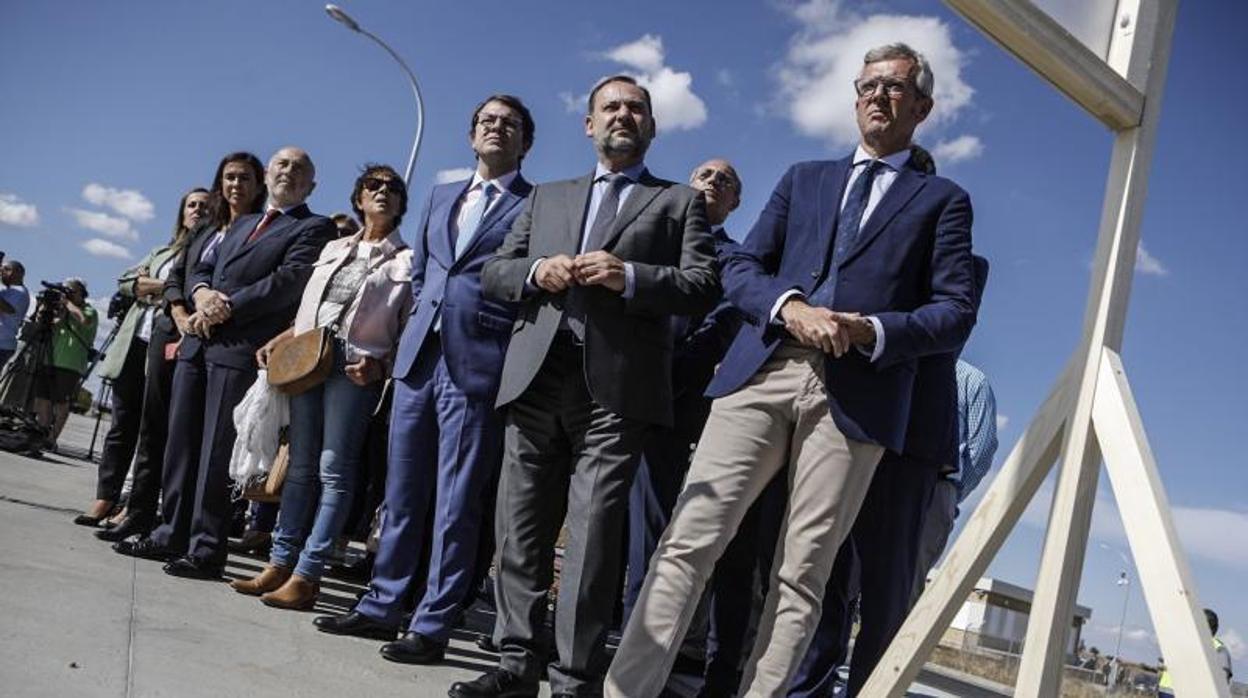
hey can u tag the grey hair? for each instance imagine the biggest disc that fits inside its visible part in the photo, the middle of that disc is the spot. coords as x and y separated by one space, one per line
924 80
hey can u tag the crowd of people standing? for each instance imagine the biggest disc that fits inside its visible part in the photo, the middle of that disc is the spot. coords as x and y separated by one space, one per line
729 440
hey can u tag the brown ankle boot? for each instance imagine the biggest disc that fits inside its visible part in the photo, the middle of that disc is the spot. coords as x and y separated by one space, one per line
297 593
270 578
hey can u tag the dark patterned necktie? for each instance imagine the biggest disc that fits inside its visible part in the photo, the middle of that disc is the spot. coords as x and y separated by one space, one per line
848 223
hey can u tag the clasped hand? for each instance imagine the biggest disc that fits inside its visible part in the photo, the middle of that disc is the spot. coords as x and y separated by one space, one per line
824 329
211 308
599 268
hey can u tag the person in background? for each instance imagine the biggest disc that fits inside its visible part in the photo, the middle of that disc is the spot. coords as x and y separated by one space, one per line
237 190
345 224
1165 682
446 437
73 336
361 290
14 302
125 364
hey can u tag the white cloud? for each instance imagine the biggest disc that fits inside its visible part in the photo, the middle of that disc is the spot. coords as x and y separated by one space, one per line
825 56
15 212
965 147
676 106
453 175
725 78
105 248
105 224
1002 421
1146 263
128 202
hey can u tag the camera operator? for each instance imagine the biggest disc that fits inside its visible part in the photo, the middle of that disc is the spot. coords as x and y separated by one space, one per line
14 301
74 323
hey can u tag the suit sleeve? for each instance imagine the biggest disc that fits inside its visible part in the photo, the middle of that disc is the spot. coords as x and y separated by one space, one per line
944 323
749 274
692 288
503 277
172 290
128 279
284 285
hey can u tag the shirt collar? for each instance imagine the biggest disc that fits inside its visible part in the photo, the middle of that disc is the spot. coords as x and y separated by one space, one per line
631 173
895 161
268 206
502 183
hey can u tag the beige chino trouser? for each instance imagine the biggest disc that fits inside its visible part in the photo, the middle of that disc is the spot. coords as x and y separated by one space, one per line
779 418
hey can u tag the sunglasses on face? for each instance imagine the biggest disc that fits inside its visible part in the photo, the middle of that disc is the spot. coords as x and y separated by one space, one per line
378 183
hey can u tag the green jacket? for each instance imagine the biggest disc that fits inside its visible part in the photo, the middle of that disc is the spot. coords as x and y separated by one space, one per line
110 366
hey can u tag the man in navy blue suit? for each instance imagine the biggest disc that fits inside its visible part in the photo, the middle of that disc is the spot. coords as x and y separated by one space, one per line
245 291
855 271
446 436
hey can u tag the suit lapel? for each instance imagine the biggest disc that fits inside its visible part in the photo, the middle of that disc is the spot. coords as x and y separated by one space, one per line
275 229
577 205
441 240
639 198
508 199
907 184
831 191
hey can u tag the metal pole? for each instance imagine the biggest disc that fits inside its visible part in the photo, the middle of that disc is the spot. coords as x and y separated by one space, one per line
343 18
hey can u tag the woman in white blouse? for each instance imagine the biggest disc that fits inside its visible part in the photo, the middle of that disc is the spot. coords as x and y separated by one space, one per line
362 285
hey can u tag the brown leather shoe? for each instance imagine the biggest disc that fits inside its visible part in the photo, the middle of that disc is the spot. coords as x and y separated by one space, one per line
297 593
270 578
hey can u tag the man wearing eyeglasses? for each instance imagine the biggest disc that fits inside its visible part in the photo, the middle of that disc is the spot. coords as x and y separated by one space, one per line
855 270
445 435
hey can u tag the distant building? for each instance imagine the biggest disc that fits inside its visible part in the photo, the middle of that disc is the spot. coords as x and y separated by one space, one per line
995 615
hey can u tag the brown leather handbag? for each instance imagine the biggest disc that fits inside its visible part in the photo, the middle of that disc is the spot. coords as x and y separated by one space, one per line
270 488
302 362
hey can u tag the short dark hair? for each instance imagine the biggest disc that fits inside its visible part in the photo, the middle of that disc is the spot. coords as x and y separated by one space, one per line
1212 619
627 79
220 209
16 266
180 233
528 127
372 169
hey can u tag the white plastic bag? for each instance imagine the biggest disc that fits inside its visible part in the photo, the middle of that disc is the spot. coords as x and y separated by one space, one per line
258 420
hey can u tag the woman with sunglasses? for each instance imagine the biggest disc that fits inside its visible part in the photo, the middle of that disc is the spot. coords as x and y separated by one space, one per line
361 289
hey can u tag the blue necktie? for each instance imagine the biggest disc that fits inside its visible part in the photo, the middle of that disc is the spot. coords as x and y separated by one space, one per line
472 219
847 227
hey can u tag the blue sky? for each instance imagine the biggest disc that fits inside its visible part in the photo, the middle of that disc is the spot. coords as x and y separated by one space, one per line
112 110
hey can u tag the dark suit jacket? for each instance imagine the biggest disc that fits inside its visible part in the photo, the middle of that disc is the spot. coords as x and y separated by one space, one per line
475 330
661 229
176 288
264 280
701 340
910 267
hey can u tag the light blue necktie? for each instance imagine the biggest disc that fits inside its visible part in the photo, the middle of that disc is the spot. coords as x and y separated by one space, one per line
472 219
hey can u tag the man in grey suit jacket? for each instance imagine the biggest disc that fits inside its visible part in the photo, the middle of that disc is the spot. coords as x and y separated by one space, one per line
599 264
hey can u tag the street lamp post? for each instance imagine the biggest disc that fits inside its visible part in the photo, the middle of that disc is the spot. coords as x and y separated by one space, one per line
1125 582
345 20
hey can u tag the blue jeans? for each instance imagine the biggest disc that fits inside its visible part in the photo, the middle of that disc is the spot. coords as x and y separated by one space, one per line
327 428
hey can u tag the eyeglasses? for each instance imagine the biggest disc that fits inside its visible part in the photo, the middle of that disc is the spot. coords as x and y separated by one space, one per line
492 120
377 183
893 87
718 179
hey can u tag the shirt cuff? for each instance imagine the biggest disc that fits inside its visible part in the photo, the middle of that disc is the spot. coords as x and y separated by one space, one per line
775 308
878 349
529 286
630 281
197 287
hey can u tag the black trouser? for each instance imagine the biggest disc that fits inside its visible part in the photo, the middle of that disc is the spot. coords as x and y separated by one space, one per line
153 432
123 434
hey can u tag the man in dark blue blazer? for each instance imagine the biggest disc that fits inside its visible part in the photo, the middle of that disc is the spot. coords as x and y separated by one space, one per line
855 270
877 563
245 291
446 436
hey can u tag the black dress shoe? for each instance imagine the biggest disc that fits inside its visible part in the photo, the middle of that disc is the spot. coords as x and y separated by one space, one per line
252 542
495 683
92 521
128 527
191 568
145 548
356 624
485 642
414 648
